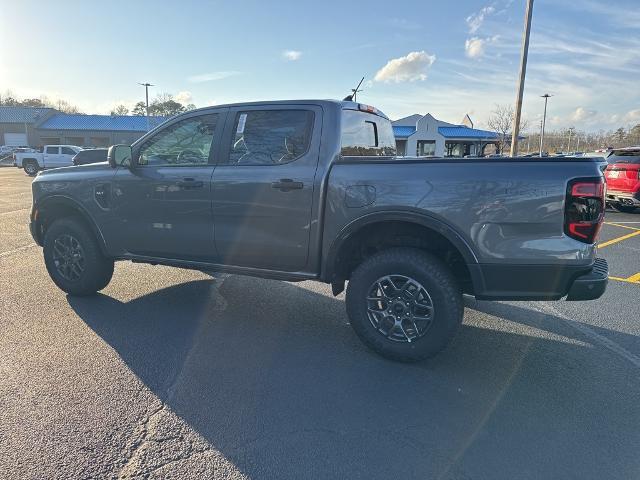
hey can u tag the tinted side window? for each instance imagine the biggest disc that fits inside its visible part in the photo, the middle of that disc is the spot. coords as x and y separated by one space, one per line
99 155
52 150
366 134
185 143
270 137
68 151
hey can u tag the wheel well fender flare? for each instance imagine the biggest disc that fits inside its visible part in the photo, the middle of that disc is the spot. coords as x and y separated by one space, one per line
426 221
68 204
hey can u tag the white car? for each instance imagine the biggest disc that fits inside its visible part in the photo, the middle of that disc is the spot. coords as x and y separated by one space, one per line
53 156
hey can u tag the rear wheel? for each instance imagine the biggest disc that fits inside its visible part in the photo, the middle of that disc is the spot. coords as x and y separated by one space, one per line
404 304
30 167
73 258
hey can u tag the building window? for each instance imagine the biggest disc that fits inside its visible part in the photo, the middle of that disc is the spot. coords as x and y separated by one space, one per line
100 141
79 141
426 148
457 149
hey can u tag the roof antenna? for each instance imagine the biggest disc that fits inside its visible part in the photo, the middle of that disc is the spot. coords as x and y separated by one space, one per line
354 93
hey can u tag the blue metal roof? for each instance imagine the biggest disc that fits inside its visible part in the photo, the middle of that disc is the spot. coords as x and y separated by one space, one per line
120 123
466 132
22 114
403 131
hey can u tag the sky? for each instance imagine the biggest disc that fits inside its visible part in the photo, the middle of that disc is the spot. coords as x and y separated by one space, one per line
447 58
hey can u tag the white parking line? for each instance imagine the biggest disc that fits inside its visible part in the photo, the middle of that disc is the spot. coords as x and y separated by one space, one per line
582 328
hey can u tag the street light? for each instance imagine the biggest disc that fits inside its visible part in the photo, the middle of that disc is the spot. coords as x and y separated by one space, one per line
546 97
146 92
523 72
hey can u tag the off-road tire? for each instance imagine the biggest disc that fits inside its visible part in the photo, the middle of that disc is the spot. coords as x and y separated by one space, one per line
437 280
97 269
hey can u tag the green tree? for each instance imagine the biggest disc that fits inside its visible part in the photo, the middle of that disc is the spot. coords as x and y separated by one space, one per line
139 109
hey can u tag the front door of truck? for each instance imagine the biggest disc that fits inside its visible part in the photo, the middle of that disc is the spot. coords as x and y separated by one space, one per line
163 204
263 186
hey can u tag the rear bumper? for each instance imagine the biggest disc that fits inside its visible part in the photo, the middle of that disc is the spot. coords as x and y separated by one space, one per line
539 282
625 198
590 285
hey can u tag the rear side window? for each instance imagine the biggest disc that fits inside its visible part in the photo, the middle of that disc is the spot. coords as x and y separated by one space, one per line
624 156
52 150
270 137
365 134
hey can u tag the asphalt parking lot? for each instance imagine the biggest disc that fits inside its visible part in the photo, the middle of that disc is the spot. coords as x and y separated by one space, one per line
169 373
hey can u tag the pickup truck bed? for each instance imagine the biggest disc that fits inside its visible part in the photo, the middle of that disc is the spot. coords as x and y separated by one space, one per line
507 222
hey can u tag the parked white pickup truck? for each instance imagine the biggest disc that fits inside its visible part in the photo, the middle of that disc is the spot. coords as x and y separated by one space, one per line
53 156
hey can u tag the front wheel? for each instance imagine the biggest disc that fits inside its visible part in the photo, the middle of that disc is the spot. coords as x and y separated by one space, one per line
31 167
73 258
404 304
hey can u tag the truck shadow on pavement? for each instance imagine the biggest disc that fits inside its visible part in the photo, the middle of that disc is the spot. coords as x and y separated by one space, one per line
271 375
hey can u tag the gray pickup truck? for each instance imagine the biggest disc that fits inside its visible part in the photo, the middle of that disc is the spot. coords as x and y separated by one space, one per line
312 190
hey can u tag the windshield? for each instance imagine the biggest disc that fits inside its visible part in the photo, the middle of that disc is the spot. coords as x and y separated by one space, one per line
624 156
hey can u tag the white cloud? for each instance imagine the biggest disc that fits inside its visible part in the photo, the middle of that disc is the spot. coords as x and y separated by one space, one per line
412 67
581 114
475 47
184 97
211 76
291 55
475 20
633 116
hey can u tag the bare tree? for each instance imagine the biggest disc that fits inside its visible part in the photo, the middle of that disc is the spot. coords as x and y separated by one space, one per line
501 122
120 110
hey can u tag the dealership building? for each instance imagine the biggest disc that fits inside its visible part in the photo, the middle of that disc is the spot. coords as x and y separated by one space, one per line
35 127
424 135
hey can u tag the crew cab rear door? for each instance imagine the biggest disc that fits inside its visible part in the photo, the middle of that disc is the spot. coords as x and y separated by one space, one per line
263 186
51 157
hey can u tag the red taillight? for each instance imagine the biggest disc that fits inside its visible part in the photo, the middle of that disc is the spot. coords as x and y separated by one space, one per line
584 209
587 189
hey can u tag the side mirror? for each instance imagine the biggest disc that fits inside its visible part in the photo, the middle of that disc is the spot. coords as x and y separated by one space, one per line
119 155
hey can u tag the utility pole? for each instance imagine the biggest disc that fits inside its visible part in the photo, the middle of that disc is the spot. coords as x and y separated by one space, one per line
571 129
146 94
523 72
546 97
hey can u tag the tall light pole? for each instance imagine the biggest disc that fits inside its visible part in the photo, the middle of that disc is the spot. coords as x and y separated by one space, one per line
546 97
571 129
523 72
146 94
